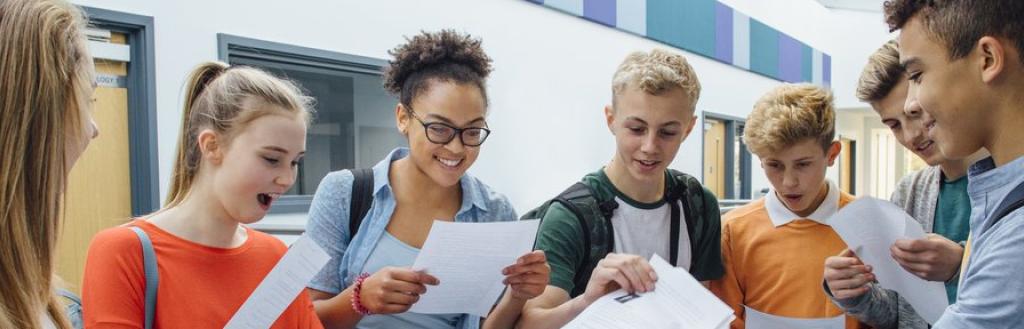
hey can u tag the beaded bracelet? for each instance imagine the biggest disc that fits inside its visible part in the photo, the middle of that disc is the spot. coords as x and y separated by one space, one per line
357 305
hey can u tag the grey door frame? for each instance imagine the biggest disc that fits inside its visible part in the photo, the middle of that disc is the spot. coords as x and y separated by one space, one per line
732 125
142 125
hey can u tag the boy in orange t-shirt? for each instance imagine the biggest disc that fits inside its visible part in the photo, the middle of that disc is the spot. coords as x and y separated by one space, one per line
774 248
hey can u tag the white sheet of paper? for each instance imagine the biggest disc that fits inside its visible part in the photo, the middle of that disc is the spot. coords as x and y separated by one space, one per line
279 288
678 301
870 226
758 320
468 258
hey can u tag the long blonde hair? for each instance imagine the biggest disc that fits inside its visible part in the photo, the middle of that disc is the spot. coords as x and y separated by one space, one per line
46 83
216 99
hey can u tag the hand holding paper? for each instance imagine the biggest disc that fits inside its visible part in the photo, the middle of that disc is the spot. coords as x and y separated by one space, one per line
394 290
529 276
468 259
869 227
630 273
933 258
847 276
678 301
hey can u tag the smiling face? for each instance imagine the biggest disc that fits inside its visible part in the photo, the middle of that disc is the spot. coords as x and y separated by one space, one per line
456 105
908 126
797 174
258 165
949 91
648 130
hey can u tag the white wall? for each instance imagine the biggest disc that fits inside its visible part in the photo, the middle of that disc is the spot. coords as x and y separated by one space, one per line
552 74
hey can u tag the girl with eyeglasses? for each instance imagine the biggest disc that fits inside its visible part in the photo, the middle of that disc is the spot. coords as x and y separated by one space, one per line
440 81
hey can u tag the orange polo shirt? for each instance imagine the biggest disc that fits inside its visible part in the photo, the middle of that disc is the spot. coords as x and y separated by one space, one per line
200 286
778 270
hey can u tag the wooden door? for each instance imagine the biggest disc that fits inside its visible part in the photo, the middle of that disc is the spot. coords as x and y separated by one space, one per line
714 156
847 166
99 190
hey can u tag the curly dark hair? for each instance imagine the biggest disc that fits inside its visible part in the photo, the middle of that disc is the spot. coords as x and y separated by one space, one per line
958 24
446 56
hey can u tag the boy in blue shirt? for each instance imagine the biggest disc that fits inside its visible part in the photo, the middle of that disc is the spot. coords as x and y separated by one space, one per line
965 61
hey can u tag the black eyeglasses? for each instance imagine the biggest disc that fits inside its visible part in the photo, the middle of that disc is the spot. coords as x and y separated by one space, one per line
443 133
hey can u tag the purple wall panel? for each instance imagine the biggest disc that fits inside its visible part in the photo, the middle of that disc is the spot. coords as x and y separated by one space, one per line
790 57
601 11
723 33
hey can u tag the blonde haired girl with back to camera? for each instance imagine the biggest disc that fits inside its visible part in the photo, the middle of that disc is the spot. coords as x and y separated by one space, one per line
244 132
45 102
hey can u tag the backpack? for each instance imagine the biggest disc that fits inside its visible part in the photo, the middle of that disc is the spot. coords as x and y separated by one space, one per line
1013 201
74 304
72 307
152 276
361 199
595 215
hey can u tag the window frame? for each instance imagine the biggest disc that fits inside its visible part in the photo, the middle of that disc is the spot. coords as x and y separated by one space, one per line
229 45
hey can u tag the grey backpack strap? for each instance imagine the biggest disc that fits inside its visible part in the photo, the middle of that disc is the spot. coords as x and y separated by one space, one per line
1013 201
152 276
73 308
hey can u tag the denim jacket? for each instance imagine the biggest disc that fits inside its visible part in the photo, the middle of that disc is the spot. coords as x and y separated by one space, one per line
329 218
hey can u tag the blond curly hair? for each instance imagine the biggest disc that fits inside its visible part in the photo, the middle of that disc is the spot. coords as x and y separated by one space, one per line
790 114
655 73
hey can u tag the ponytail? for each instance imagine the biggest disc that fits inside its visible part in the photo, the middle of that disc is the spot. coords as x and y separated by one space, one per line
186 162
216 99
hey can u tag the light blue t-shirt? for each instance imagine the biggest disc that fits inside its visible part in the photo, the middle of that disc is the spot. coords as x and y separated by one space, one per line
991 292
329 218
390 251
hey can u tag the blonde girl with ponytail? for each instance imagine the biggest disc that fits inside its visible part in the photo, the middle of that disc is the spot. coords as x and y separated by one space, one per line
45 125
243 135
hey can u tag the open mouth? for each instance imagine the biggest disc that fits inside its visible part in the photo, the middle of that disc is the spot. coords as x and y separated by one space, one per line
449 163
792 199
266 199
647 164
924 146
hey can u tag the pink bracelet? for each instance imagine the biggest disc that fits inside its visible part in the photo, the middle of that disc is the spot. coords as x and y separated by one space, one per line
357 305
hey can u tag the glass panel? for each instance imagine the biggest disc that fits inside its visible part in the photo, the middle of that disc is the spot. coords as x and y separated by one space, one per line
738 163
353 124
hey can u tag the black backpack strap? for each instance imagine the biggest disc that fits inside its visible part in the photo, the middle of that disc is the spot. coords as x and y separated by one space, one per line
1013 201
681 192
361 199
607 208
673 233
688 190
585 206
566 198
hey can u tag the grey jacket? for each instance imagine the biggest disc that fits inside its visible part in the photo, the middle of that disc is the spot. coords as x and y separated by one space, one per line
918 194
